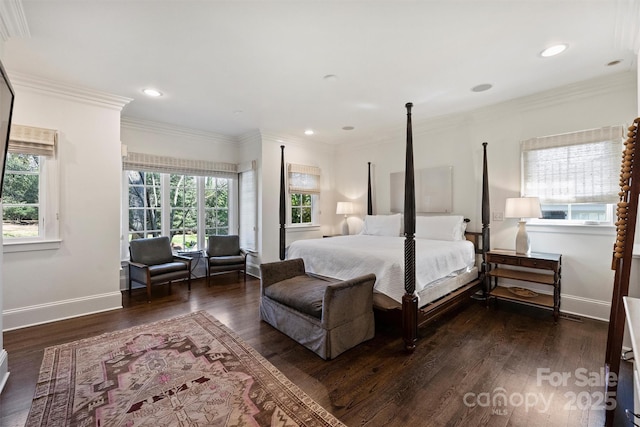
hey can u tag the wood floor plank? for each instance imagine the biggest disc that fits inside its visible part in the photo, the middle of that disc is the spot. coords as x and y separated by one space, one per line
474 350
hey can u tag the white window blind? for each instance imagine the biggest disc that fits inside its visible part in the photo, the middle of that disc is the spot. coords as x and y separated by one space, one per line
32 140
248 205
161 164
576 167
304 179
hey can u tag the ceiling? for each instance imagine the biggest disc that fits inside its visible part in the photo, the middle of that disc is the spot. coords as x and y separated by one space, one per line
234 67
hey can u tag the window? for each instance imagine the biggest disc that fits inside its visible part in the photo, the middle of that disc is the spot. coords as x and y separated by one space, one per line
145 215
157 199
575 175
301 208
216 196
30 187
304 190
187 200
21 197
248 205
183 203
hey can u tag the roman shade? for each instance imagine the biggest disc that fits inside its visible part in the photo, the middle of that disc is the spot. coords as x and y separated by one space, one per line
32 140
162 164
304 179
576 167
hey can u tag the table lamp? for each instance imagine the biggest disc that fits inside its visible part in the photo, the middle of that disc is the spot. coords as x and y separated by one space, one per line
522 208
345 208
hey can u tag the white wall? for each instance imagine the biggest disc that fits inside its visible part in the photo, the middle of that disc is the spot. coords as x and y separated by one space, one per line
81 276
301 152
456 140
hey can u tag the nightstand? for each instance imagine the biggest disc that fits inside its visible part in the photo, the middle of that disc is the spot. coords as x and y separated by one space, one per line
538 267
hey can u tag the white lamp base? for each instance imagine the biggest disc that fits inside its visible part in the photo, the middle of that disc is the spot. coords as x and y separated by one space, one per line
523 245
345 227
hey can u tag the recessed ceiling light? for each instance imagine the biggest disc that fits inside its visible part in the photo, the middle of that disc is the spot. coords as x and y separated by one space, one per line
554 50
152 92
348 128
612 63
308 132
482 87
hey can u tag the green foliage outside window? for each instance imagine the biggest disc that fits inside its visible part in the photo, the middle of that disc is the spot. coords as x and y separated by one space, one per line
20 195
145 210
301 207
144 204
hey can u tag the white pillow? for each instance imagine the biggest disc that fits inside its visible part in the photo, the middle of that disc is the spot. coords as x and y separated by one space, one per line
382 225
449 227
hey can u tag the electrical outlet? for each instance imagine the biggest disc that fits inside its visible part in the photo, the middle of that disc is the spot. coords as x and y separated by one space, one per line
498 216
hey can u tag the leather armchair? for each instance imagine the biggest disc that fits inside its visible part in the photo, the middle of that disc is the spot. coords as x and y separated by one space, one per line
151 262
224 254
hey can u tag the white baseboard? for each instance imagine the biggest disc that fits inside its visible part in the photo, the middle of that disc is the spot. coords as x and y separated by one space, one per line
4 368
585 307
59 310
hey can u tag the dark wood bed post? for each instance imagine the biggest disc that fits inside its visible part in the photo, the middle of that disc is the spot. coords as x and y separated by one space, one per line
486 222
409 299
282 205
369 197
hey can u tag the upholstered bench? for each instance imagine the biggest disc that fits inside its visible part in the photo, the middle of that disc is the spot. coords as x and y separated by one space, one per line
326 316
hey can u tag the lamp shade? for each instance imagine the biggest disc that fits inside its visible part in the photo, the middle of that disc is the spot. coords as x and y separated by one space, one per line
522 207
345 208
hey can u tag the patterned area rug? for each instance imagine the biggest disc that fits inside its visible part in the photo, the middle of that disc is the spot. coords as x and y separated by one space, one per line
186 371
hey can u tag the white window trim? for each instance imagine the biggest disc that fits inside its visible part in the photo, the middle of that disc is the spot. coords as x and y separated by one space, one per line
49 228
165 194
315 212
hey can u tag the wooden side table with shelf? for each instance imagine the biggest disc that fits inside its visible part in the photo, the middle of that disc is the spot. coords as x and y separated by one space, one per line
548 266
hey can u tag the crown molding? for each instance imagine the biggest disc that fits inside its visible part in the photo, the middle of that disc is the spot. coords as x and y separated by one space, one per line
169 129
13 21
285 140
577 91
67 91
568 93
249 137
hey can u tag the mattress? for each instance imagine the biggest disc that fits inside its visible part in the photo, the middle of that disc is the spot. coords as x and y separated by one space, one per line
346 257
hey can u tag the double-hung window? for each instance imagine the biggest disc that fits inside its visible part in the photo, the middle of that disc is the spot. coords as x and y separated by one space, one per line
186 200
248 199
304 190
30 188
575 175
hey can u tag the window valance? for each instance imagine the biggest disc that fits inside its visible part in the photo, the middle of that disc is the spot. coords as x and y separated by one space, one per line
32 140
303 179
162 164
576 167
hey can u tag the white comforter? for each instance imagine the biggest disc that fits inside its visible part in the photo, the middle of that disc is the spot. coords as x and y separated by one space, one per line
345 257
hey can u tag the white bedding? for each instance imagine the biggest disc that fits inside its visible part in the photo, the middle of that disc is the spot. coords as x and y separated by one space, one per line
345 257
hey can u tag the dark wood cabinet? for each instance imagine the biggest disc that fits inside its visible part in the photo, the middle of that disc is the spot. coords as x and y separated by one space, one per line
536 267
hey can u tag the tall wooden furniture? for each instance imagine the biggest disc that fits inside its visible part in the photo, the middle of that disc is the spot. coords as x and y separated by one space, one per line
548 272
621 263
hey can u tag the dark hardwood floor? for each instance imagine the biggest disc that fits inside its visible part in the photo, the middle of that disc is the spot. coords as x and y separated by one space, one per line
479 366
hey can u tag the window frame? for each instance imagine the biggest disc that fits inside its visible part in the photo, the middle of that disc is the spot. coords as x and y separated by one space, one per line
612 134
315 203
48 211
165 208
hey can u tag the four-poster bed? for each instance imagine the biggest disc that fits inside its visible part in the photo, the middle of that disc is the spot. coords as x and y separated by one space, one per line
446 272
